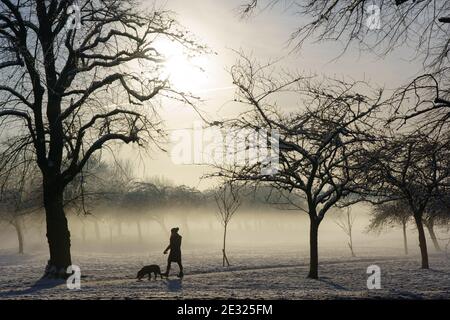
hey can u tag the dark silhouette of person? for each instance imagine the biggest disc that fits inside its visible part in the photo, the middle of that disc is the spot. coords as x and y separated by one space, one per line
175 252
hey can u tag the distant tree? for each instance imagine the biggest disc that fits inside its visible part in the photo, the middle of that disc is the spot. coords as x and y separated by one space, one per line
78 76
390 215
180 196
184 197
345 222
96 188
19 198
228 201
143 199
413 169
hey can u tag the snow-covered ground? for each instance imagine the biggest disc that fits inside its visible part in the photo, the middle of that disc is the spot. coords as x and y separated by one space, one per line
260 274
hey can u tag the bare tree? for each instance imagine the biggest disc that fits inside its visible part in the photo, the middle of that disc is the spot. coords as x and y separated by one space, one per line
346 222
20 198
228 202
421 24
389 215
78 76
382 27
320 141
413 169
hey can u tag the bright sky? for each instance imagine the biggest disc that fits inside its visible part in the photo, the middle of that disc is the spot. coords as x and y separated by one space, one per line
265 36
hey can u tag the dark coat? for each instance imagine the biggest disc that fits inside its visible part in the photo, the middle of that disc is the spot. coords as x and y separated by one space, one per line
175 248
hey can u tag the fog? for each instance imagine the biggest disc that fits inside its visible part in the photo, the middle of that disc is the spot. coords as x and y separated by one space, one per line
250 229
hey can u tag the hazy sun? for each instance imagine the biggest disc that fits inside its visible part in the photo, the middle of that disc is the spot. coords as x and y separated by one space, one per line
185 72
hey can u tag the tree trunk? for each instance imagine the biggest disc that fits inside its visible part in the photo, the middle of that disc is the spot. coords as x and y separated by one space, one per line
119 229
350 245
225 259
163 226
430 227
422 241
110 233
139 229
405 239
58 234
83 231
350 234
97 230
313 249
184 223
18 226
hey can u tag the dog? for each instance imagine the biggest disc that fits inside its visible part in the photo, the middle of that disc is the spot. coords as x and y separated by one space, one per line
148 270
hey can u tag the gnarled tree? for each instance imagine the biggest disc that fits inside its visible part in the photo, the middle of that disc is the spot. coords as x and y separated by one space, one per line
76 77
320 140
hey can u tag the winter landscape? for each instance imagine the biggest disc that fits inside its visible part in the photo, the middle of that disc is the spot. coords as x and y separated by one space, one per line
279 276
260 268
242 149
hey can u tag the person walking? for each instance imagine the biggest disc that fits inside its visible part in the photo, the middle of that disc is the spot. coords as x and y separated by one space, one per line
175 252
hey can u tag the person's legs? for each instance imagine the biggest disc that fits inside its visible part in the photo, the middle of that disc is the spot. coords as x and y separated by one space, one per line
181 268
166 274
